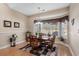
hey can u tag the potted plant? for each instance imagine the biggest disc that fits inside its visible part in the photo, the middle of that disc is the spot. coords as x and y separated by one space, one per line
28 33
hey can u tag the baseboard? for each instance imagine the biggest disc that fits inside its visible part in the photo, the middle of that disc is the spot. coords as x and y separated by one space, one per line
74 53
69 48
20 42
5 46
8 45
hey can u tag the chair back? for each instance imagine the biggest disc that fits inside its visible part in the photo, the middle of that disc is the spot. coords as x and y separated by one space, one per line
34 42
53 40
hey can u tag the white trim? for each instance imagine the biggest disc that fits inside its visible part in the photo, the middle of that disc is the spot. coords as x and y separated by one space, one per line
69 48
20 42
5 46
8 45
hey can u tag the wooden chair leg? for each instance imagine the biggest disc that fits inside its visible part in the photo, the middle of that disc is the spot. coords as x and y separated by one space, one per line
26 46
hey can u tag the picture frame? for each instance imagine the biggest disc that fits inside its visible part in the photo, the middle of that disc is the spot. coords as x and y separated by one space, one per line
73 21
16 24
7 23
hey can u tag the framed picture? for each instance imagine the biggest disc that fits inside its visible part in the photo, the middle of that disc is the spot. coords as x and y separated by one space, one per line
16 24
7 23
73 21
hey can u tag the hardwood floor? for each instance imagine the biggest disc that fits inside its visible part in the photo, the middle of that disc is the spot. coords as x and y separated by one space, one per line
14 51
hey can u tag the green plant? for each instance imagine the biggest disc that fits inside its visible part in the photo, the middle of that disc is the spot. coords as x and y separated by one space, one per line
28 33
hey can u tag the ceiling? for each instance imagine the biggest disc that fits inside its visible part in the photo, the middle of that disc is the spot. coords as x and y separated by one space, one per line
35 8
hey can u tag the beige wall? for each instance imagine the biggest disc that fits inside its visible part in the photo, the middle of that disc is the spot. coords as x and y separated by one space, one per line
48 15
74 30
7 14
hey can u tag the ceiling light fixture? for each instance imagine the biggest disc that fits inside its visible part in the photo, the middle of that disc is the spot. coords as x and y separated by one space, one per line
40 9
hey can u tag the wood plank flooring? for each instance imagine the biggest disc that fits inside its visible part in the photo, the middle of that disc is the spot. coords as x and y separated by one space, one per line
14 51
